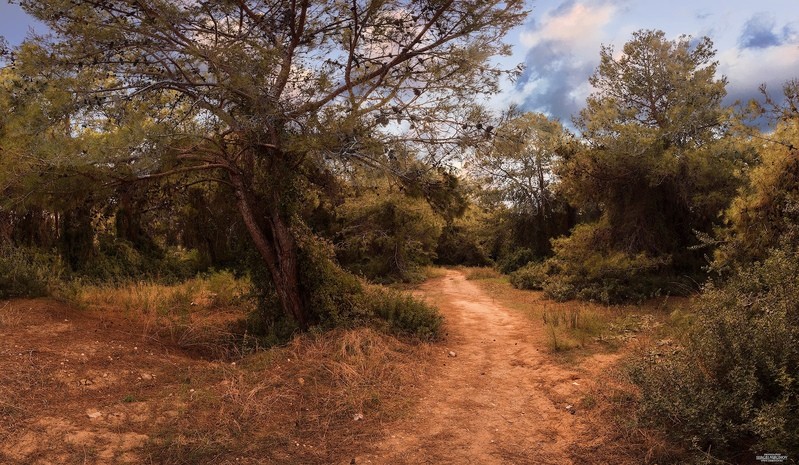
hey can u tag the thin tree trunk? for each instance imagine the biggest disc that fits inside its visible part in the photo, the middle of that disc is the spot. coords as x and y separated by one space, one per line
278 249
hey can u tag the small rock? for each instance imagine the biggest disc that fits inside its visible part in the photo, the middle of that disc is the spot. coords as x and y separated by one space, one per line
357 417
147 376
301 381
94 414
86 382
452 354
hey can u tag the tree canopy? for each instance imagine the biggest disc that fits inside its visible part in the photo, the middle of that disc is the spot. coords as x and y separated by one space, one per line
654 162
264 96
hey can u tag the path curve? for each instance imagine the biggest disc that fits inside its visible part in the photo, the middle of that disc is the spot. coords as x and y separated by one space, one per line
500 400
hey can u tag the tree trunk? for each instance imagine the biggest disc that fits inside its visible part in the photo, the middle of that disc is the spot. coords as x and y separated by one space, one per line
278 249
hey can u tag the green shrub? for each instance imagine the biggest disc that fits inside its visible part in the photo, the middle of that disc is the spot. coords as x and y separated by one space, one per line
734 388
117 260
583 269
515 260
225 288
387 238
329 292
403 314
457 245
334 298
27 272
531 276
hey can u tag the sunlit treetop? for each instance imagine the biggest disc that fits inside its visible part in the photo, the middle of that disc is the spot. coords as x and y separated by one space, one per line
265 71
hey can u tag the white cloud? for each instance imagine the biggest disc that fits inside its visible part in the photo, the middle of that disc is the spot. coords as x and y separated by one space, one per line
580 26
746 69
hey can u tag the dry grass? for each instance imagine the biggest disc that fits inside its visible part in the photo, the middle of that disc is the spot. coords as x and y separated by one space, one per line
320 399
9 316
432 272
574 326
191 315
483 272
316 400
584 325
610 410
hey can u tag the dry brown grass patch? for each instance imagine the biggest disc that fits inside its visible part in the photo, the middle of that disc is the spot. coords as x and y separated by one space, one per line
317 400
609 408
583 325
193 315
482 272
9 316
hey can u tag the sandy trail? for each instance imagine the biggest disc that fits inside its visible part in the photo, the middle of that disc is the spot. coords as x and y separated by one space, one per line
500 400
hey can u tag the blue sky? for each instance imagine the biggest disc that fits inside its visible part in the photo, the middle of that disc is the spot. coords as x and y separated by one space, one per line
757 42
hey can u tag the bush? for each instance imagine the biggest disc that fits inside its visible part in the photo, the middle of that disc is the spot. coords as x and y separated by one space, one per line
27 272
515 260
458 246
225 289
531 276
404 314
733 390
583 269
387 238
336 299
117 260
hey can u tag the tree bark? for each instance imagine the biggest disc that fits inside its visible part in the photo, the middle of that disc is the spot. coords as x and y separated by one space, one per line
278 249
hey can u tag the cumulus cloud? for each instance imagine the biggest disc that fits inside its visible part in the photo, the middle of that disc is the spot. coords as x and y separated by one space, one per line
561 45
758 32
747 68
562 52
572 23
767 54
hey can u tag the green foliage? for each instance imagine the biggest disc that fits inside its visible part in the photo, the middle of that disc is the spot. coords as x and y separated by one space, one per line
117 260
733 389
266 128
531 276
766 212
458 246
657 164
336 299
388 237
515 260
332 295
403 314
516 169
518 185
583 268
27 272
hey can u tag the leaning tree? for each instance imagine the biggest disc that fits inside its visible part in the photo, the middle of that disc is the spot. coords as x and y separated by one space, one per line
258 94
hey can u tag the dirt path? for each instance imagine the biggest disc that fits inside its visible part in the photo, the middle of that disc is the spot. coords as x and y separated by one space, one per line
500 400
80 387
